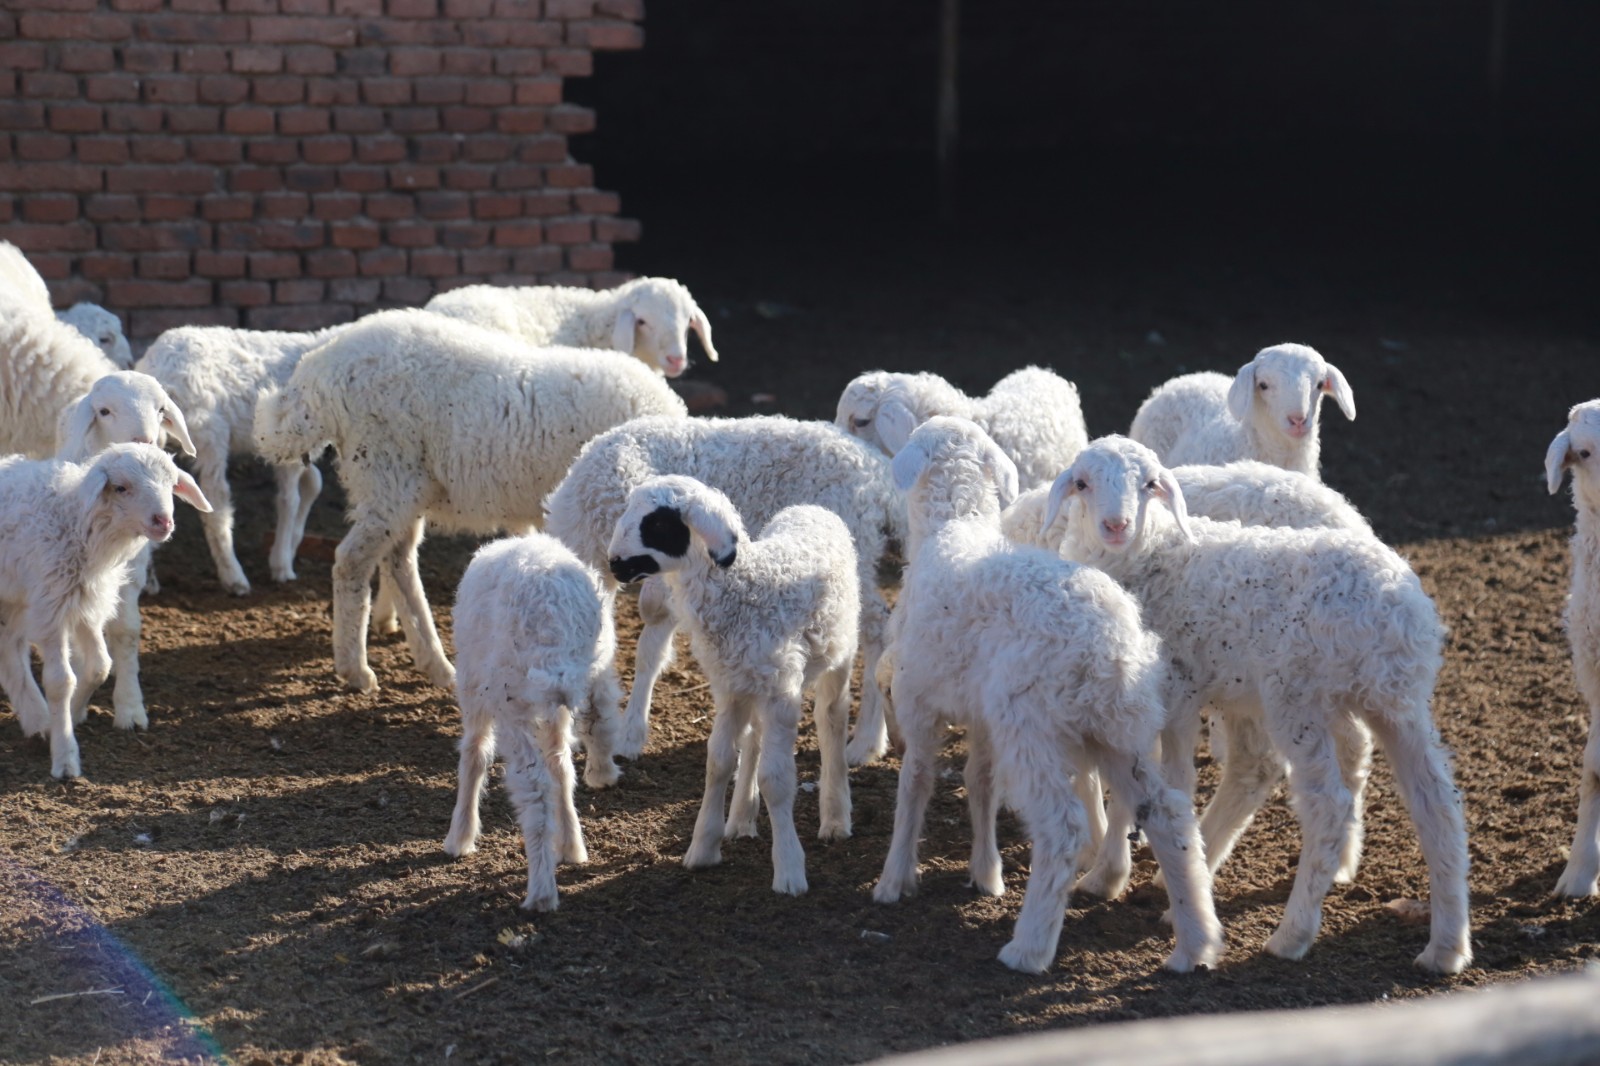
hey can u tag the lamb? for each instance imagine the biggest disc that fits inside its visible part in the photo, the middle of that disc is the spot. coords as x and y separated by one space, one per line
648 318
1033 414
68 532
763 465
216 374
23 282
45 366
768 619
1047 664
1269 411
536 649
444 422
1299 635
1577 448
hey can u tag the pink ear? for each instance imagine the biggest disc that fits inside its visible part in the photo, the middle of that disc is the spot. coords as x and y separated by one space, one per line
1064 486
702 325
189 492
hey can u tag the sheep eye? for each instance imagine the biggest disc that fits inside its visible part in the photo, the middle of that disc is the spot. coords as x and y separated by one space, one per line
1151 486
120 489
1584 454
105 412
1081 485
1262 386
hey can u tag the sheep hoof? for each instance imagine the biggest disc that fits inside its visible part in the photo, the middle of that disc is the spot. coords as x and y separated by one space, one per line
442 675
236 586
1181 961
282 574
834 830
540 901
1103 884
740 827
576 855
1438 958
989 882
791 885
1578 880
361 680
67 766
456 847
600 773
863 750
891 890
80 714
131 718
701 856
1291 944
385 627
1025 958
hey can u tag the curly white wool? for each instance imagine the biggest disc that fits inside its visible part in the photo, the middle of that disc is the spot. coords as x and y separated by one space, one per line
1044 662
1270 411
1293 635
1033 414
648 318
45 367
768 619
445 423
763 465
20 281
535 650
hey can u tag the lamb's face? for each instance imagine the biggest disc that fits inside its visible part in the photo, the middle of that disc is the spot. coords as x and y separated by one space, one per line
129 408
857 413
1108 490
103 328
662 314
654 534
136 484
1281 389
1577 448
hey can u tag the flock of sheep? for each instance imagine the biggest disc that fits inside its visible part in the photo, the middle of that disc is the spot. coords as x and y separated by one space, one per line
1078 606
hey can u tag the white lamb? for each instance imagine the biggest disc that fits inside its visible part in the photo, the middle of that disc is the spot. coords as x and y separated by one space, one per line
440 422
1577 448
19 280
217 374
536 646
1047 665
67 534
1032 413
45 366
768 619
648 318
1269 411
763 465
1302 634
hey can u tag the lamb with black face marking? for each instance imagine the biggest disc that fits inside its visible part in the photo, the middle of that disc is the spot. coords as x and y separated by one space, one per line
768 619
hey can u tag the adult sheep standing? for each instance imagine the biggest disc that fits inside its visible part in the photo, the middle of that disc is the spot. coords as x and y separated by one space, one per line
445 423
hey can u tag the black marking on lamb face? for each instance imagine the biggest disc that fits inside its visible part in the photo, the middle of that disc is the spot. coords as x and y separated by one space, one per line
727 560
634 568
663 530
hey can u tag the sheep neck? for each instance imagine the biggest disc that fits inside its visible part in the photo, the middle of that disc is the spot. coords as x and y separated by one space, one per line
1304 457
942 500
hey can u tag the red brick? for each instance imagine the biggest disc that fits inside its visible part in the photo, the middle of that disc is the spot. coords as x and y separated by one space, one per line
198 29
469 62
533 91
414 62
284 205
110 88
468 9
22 55
133 118
298 291
358 119
632 10
8 206
467 119
277 91
330 263
617 230
354 290
88 58
254 179
568 9
411 234
155 236
409 176
435 148
496 205
332 92
363 179
304 7
570 118
47 208
245 293
335 32
412 9
302 318
518 234
520 120
380 149
136 6
386 92
224 207
218 151
311 59
302 121
77 118
48 83
164 266
435 263
173 89
43 146
252 7
248 121
590 257
465 235
151 323
606 36
75 27
257 60
359 8
156 149
195 292
313 179
484 261
330 206
545 148
57 177
326 150
439 204
516 9
219 264
489 148
283 235
15 117
148 58
568 231
381 262
107 208
198 7
271 265
414 120
389 206
518 62
516 176
593 202
469 178
196 180
193 119
506 33
536 261
167 208
569 176
100 266
486 92
356 235
270 152
203 59
442 89
223 89
570 62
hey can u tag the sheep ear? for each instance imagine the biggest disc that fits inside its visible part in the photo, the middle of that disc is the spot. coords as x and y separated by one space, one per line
702 326
711 524
908 465
1241 391
1556 460
72 432
1167 488
998 465
1336 386
94 486
172 421
895 422
1065 485
189 492
622 332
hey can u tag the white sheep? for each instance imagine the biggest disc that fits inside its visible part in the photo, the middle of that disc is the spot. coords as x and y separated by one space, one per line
67 534
1046 664
763 465
536 646
1577 448
45 366
1269 411
768 618
216 374
20 280
1033 414
1298 635
440 422
648 318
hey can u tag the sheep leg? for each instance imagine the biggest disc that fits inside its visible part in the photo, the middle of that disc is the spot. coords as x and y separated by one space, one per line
298 486
16 677
651 658
1086 783
91 665
596 724
899 877
745 806
59 685
555 743
1167 818
833 721
385 616
722 757
1248 778
779 728
532 791
1113 864
400 568
1325 809
211 470
477 755
353 563
1422 776
1057 828
1354 746
871 736
1582 871
122 635
982 808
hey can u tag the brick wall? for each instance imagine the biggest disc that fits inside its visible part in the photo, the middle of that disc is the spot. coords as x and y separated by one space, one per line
288 164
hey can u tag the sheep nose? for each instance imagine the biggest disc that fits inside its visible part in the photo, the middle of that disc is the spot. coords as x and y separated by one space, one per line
143 440
1297 421
162 524
1116 525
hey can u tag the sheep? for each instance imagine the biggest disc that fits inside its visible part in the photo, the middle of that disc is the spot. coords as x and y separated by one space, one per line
768 618
1047 664
216 374
1269 411
22 281
1033 414
67 534
536 649
648 318
1296 635
45 366
763 465
438 421
1577 448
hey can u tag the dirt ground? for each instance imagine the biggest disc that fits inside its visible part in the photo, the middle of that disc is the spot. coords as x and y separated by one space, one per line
260 875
